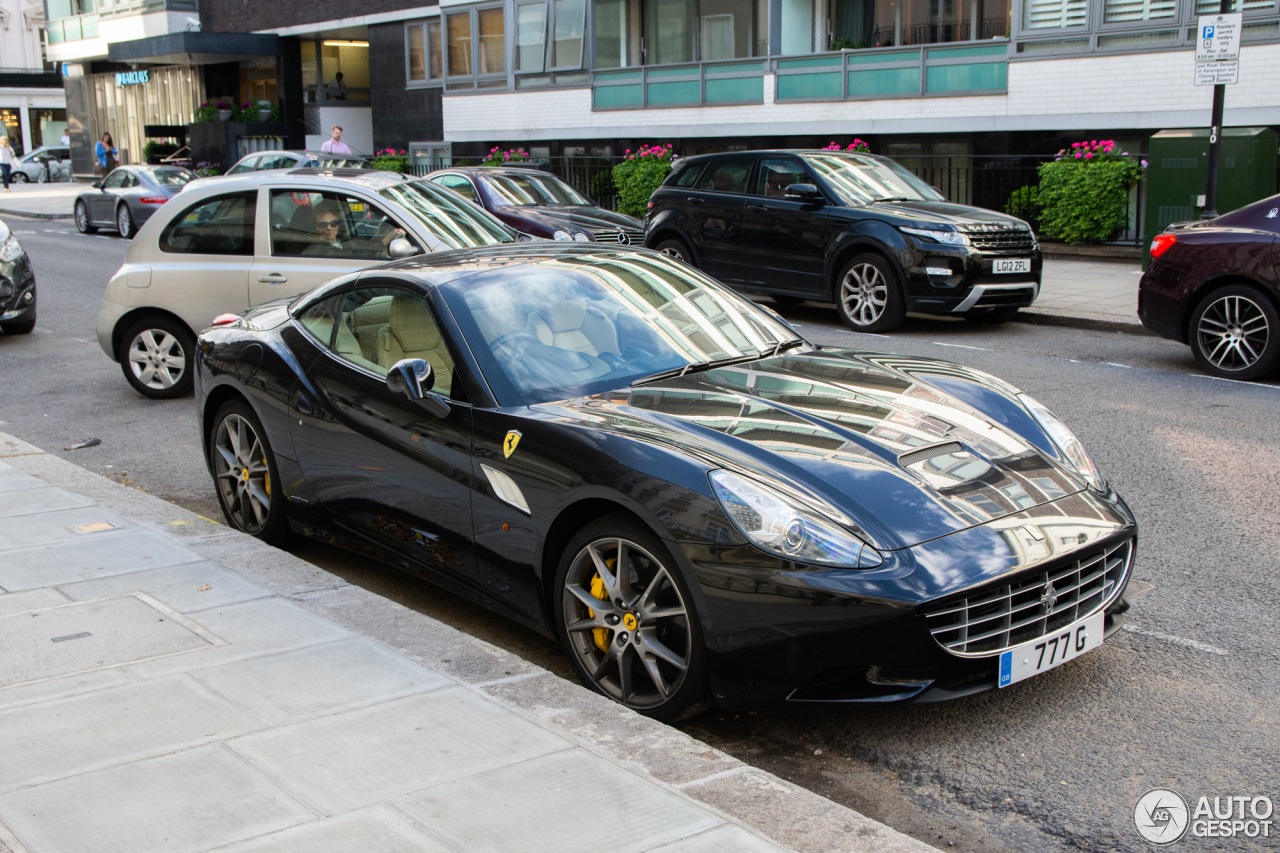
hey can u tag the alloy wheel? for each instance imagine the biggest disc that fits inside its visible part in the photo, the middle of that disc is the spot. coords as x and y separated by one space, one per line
627 622
156 359
242 474
124 221
1233 333
82 217
864 294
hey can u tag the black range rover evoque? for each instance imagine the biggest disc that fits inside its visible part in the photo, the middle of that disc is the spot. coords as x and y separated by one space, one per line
856 229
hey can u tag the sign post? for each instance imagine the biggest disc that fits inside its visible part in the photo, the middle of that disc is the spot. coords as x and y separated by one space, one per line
1217 65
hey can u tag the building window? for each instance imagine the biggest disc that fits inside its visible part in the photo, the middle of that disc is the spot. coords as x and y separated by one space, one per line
1210 7
493 46
706 30
1045 14
890 23
531 37
797 27
458 33
475 45
1126 11
567 31
416 37
614 33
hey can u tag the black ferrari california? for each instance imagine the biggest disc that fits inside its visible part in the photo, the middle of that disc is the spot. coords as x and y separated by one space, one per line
613 449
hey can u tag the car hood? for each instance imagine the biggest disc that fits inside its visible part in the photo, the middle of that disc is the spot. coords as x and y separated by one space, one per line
902 450
581 218
945 211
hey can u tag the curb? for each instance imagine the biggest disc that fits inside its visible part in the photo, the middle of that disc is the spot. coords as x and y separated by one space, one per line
30 214
790 816
1097 322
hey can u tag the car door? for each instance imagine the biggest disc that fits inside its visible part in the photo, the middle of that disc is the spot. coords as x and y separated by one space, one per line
293 257
102 204
784 238
714 209
390 470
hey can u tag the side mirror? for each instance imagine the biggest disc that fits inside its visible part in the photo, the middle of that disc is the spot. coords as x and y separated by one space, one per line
97 185
803 192
413 378
401 247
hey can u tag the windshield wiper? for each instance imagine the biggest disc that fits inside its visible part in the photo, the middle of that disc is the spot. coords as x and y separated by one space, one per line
892 198
697 367
783 346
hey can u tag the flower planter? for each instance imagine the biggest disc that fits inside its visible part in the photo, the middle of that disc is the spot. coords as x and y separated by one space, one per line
264 115
224 115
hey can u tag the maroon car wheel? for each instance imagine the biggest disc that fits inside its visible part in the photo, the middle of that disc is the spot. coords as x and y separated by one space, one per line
1235 333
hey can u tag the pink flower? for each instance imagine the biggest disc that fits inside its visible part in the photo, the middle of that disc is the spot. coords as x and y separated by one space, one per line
1078 155
1088 156
1075 145
1144 164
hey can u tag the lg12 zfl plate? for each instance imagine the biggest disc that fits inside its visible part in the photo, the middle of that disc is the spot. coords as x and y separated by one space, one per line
1011 265
1037 656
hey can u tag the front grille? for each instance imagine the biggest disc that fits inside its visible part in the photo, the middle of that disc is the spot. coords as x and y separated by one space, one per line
1013 296
998 618
634 236
1002 241
7 288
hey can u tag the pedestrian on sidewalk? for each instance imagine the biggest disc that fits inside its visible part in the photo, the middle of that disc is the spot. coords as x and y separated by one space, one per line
106 153
334 144
7 159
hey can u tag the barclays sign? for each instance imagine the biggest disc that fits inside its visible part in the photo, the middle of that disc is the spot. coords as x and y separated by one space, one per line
132 78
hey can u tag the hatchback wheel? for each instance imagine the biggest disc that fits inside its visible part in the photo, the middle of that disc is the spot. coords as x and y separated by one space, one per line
627 620
157 356
1235 333
676 249
124 222
82 219
868 295
245 475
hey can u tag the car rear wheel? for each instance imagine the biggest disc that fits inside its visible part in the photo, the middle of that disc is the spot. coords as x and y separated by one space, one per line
82 219
124 222
245 475
991 316
20 177
157 356
676 249
1235 333
868 295
627 620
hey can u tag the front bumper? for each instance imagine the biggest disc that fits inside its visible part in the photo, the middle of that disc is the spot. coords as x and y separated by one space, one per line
109 314
17 289
944 279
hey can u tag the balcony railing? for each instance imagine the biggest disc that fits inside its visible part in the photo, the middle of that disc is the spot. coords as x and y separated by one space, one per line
694 85
895 72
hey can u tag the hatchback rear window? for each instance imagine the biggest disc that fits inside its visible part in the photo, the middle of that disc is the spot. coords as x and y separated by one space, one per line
726 176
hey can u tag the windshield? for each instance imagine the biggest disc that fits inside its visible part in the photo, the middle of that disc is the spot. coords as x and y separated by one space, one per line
569 326
169 177
529 190
859 178
449 217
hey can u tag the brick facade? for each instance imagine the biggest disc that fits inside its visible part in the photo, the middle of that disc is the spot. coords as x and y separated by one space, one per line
400 115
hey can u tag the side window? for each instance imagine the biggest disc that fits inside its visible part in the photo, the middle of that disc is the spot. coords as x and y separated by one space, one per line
726 176
688 177
116 180
222 225
379 326
245 165
319 319
273 161
458 184
777 175
332 225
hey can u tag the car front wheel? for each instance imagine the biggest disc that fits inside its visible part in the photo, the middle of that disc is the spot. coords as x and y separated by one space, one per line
20 177
1235 333
675 249
157 356
244 474
124 222
868 295
82 219
627 620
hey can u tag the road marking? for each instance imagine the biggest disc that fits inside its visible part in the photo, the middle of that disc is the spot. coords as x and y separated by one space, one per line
1113 364
26 232
1181 641
959 346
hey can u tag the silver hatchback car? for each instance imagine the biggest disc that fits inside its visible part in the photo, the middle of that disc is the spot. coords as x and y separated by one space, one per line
227 245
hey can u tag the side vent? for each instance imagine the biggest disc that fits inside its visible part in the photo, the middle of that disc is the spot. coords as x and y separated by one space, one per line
926 453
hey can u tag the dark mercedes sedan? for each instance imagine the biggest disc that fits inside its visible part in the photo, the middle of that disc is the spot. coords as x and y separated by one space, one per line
1214 285
854 229
541 205
613 449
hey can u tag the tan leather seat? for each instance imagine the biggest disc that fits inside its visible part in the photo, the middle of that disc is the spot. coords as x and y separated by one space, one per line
572 324
411 332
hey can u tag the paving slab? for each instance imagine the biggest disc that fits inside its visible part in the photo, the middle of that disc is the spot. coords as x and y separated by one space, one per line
365 756
275 569
57 688
578 804
32 599
87 557
182 803
188 588
83 733
11 479
722 839
88 522
376 830
295 686
20 502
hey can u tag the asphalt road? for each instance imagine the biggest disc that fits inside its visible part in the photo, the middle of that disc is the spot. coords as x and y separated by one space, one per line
1187 698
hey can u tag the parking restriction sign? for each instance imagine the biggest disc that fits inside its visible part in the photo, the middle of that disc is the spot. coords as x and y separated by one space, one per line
1218 37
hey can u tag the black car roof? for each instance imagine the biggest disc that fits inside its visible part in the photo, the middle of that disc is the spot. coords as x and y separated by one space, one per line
700 158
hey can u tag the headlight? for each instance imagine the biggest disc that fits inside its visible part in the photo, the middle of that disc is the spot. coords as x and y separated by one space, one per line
780 525
953 238
561 236
1065 440
581 238
10 250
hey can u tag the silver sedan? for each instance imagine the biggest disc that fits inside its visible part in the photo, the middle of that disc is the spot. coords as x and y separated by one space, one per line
127 197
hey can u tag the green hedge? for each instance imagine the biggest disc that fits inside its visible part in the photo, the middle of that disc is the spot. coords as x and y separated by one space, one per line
1085 201
636 177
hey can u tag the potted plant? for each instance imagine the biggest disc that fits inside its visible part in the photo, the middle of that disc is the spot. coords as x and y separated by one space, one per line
224 110
391 160
206 170
207 112
266 111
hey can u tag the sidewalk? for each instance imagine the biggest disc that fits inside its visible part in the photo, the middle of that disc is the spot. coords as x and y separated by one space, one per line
170 685
1091 293
42 201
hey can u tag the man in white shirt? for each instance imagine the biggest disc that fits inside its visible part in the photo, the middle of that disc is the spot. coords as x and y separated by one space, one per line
335 145
66 138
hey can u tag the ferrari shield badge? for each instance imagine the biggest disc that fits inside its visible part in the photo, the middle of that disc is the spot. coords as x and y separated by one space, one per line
509 443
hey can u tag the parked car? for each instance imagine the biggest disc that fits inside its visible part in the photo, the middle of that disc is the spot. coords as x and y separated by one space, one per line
261 161
1214 285
614 449
17 286
229 244
540 204
127 198
854 229
31 167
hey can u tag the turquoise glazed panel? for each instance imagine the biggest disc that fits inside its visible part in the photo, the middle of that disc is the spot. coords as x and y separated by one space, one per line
885 81
618 96
685 92
735 89
966 78
791 86
618 76
873 58
690 71
817 62
957 52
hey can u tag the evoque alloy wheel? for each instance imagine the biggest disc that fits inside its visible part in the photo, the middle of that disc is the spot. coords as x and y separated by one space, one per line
1235 333
244 474
868 295
627 620
673 248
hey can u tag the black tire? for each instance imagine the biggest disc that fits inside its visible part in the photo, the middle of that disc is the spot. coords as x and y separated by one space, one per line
624 638
19 327
19 177
124 222
244 471
149 354
786 299
991 316
82 219
1235 333
868 295
676 248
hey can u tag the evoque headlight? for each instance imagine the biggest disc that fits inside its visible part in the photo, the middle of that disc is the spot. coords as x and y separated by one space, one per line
10 250
952 238
784 527
1061 435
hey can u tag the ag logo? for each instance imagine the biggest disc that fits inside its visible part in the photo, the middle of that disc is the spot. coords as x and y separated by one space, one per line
1161 816
509 443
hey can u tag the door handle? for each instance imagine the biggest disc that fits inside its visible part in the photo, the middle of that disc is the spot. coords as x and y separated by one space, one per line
273 278
757 208
304 405
693 199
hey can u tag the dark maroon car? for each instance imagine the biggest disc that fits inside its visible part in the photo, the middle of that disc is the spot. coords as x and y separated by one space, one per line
540 204
1213 285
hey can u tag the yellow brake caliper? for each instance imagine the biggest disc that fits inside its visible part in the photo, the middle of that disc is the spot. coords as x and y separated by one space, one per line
601 635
